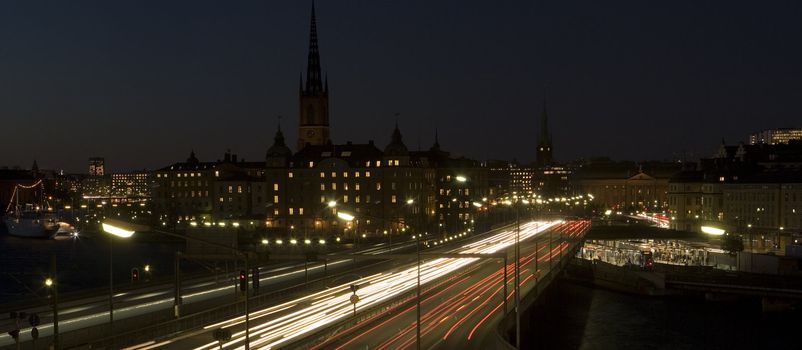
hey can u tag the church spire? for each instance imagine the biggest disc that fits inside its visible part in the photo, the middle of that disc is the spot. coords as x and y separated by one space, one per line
545 136
544 146
314 83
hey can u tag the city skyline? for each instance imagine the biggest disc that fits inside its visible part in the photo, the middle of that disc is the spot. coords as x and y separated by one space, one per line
236 70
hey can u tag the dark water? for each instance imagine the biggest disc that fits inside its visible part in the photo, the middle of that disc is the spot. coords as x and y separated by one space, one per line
82 263
583 317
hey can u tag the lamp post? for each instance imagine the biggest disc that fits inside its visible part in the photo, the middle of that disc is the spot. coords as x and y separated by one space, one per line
113 231
126 230
52 284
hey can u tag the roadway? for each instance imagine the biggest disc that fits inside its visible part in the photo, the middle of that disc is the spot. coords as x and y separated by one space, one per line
463 310
155 299
290 322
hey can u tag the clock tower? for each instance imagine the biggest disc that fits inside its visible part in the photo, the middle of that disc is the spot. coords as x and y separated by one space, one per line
313 126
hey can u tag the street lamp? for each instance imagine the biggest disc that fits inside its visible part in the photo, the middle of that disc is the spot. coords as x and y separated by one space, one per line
126 230
113 230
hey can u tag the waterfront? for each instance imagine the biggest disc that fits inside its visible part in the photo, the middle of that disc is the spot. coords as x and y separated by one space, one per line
578 316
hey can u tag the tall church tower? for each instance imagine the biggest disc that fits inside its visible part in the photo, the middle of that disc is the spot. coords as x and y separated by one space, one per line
544 157
313 126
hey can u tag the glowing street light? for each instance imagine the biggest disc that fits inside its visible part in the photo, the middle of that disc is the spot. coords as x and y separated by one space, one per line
48 282
116 230
410 201
332 204
712 230
461 178
345 216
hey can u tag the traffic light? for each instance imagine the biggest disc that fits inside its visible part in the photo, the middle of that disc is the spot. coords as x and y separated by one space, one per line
255 276
243 280
134 275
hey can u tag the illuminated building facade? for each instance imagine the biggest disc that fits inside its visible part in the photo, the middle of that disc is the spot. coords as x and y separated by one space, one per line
208 191
626 186
132 186
744 188
775 136
97 166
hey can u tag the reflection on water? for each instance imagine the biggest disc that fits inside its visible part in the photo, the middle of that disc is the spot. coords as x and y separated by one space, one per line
583 317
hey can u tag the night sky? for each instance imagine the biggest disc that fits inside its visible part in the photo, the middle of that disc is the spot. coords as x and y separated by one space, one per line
144 82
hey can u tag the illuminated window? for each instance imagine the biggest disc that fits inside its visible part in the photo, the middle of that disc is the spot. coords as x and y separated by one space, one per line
275 199
239 189
230 189
322 174
367 174
216 173
378 186
322 187
356 199
322 199
311 164
345 186
356 186
333 186
345 198
356 174
345 174
292 211
275 212
221 199
333 174
392 199
275 187
378 163
300 211
392 185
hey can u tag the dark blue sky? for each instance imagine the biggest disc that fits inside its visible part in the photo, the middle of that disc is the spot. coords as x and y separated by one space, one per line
143 82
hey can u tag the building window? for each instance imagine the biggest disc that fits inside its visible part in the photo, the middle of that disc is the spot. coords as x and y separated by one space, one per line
322 199
275 199
356 186
239 189
322 175
392 198
275 187
333 174
345 186
216 173
378 163
230 189
356 199
289 174
378 186
345 198
333 186
345 174
311 164
300 211
356 174
292 211
367 174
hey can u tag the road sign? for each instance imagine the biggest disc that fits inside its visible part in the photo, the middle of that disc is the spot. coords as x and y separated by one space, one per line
354 299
